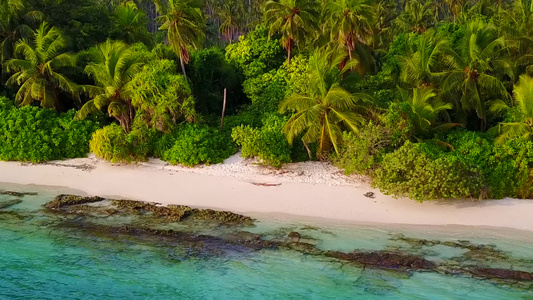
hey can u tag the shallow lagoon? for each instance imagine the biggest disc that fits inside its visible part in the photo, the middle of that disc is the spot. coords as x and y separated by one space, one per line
40 259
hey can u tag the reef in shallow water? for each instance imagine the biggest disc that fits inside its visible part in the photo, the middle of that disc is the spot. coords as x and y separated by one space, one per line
87 210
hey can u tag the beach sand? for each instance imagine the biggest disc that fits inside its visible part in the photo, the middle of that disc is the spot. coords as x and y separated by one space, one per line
310 189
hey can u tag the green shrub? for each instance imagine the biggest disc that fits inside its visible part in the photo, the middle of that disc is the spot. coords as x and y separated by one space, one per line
255 53
209 73
194 144
423 171
362 150
505 169
35 134
267 143
112 143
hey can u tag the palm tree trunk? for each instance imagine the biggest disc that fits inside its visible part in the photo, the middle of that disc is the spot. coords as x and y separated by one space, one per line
289 48
182 66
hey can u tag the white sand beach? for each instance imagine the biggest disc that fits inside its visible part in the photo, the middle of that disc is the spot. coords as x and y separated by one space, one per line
310 189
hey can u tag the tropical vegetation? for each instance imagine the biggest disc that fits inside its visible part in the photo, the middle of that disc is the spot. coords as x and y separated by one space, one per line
430 99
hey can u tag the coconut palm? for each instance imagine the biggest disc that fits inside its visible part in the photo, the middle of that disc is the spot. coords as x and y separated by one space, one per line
425 108
112 73
326 108
423 65
471 81
184 22
385 13
517 26
417 16
37 72
522 112
350 21
130 24
455 7
295 20
13 27
231 20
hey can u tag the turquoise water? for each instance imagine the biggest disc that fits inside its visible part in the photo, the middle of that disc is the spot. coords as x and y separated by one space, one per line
39 259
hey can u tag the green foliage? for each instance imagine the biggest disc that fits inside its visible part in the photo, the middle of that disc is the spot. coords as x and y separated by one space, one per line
363 149
421 171
266 143
464 165
247 116
37 71
504 169
86 22
184 23
255 53
295 20
34 134
112 72
323 110
112 143
162 97
210 74
130 24
194 144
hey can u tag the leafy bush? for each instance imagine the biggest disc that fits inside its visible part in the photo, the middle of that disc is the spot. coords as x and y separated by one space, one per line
362 150
112 143
161 96
504 169
423 171
35 134
193 144
209 74
256 53
266 143
461 164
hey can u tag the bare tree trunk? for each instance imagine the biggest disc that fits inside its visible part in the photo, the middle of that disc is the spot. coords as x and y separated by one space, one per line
289 48
182 66
223 112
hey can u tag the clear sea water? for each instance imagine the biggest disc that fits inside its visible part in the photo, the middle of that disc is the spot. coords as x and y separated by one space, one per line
40 260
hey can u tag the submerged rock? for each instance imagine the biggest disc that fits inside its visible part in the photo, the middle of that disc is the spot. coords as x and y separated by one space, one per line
295 236
173 213
495 273
385 260
68 200
224 217
475 252
17 194
6 204
72 204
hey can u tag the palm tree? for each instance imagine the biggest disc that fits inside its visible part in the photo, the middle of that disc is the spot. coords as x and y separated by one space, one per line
351 22
517 25
522 112
425 108
184 22
12 12
116 66
326 108
295 20
471 81
37 72
420 66
130 24
231 17
455 7
417 16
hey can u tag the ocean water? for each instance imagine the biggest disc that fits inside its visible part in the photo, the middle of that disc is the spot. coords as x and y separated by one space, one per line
41 258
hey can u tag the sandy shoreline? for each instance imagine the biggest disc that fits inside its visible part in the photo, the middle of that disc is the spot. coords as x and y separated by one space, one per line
311 189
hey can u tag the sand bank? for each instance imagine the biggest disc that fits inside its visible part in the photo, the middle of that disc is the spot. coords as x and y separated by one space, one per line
310 189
